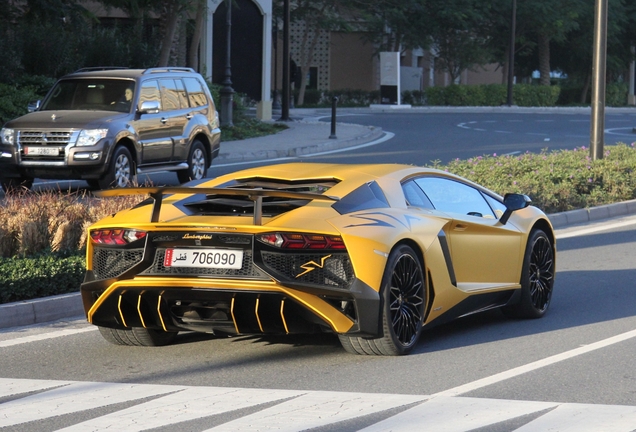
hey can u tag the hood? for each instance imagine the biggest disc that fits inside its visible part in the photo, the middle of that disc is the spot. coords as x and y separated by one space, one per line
75 119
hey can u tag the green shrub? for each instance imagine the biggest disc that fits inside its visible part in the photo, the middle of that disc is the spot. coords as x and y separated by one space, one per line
40 276
492 95
616 94
414 97
14 101
529 95
556 181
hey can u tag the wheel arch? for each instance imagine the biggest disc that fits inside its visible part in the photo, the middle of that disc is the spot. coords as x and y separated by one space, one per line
545 226
130 146
430 290
203 139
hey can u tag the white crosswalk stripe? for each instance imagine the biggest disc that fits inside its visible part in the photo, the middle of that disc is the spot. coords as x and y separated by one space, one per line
288 410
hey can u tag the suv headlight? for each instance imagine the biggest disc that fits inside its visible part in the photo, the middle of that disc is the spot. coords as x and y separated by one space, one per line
8 136
90 137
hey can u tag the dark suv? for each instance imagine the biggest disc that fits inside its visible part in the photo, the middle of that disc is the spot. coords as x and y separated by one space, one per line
106 125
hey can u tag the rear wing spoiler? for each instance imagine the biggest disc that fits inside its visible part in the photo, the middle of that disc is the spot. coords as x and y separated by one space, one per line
255 195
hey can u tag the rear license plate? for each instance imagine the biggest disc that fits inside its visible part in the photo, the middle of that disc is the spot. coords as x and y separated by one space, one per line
42 151
204 258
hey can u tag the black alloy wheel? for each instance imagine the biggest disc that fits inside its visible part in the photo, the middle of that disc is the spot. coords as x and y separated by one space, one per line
403 300
537 278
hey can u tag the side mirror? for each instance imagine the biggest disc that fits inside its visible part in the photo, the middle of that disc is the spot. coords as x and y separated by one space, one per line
514 202
34 105
149 107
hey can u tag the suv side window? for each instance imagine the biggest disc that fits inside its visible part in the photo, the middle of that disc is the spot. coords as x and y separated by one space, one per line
150 92
169 95
196 95
183 96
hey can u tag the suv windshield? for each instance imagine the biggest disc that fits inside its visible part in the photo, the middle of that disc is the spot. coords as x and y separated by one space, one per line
91 94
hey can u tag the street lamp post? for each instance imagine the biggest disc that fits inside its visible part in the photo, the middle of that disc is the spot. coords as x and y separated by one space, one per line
286 83
597 129
227 92
511 57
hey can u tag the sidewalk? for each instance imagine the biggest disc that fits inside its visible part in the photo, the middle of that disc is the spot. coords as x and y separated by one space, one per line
305 136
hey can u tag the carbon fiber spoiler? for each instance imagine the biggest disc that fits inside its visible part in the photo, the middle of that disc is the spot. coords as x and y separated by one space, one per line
255 195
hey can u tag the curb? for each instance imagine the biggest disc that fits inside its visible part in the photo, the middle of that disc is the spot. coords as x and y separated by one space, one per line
41 310
560 220
371 134
53 308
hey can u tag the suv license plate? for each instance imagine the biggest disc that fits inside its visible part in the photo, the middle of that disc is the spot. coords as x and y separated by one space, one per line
42 151
204 258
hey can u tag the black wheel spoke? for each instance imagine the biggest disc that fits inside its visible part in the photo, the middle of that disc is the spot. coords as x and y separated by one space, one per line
541 271
406 299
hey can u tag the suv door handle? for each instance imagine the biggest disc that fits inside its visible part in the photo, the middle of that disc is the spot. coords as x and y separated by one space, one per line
188 116
164 120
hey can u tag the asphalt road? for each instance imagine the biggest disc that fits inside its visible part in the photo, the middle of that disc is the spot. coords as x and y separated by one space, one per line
423 137
527 374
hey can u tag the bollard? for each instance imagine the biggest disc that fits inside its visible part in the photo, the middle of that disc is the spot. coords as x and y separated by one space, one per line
334 101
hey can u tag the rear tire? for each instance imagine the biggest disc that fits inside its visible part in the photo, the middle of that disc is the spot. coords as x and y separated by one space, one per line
537 278
197 164
402 302
137 336
16 184
121 172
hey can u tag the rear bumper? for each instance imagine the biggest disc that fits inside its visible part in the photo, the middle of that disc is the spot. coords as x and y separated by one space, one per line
229 306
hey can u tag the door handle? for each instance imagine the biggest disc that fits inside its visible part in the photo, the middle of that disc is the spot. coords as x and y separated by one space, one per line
460 227
164 120
188 116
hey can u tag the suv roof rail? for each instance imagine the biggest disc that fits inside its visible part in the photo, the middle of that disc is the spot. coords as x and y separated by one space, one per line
168 69
99 68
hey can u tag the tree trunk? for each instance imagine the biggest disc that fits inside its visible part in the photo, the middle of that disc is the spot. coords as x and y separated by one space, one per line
504 77
544 58
193 53
306 58
171 20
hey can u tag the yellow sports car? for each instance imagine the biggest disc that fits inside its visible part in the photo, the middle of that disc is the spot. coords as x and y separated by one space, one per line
372 253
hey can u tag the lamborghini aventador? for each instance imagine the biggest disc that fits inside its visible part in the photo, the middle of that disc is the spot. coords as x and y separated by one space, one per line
371 253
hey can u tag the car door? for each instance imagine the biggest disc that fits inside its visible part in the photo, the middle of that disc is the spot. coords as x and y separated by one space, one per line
153 129
177 115
485 253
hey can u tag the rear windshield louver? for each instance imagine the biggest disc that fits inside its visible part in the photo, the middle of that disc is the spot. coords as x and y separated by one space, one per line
239 206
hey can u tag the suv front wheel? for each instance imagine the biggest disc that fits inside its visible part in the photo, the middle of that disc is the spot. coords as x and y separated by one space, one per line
197 164
121 170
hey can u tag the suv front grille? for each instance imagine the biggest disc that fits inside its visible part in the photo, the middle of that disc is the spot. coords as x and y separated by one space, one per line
44 140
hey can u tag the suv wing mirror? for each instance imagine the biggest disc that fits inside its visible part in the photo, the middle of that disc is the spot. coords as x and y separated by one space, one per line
149 107
514 202
34 105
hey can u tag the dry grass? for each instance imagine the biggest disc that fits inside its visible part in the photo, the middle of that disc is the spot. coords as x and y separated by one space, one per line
32 222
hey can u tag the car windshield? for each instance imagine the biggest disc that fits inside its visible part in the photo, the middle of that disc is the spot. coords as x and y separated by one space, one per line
91 94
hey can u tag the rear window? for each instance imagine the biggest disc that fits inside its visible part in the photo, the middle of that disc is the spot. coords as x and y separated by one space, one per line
196 94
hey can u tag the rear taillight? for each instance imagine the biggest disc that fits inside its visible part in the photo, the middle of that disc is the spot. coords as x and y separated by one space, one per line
116 236
301 241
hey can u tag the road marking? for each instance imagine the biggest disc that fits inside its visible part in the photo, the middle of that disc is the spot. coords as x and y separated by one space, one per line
594 229
287 410
515 372
45 336
459 414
